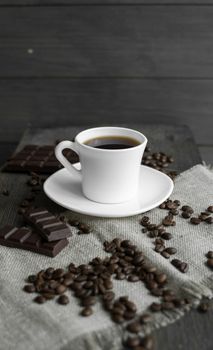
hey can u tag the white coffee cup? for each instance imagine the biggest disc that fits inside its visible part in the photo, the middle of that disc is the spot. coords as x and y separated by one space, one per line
106 175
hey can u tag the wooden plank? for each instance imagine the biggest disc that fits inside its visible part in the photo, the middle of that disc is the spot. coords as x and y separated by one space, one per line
107 41
206 154
192 332
97 2
61 102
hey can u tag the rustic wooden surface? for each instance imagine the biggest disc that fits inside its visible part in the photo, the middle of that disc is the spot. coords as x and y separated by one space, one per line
193 331
73 62
58 102
107 41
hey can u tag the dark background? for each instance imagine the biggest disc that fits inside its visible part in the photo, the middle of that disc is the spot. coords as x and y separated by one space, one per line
76 62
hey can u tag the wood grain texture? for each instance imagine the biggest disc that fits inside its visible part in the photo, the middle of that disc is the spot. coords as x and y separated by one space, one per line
61 102
103 2
107 41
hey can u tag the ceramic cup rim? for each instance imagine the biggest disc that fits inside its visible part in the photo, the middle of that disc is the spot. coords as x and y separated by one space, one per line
139 136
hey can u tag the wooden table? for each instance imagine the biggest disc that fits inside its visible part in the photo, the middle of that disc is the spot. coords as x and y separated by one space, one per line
194 330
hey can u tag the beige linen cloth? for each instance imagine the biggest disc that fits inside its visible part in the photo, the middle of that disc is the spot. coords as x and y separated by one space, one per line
26 325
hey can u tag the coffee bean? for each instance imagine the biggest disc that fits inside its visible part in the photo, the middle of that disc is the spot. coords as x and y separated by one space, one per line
130 306
58 273
210 209
209 220
144 230
161 278
60 289
84 228
195 221
188 209
162 206
159 241
184 267
133 278
186 214
210 262
176 262
29 288
31 278
203 216
73 222
165 254
132 342
117 318
63 300
155 307
177 202
159 248
171 250
39 299
87 311
48 296
134 327
167 221
174 211
120 276
166 235
89 301
210 254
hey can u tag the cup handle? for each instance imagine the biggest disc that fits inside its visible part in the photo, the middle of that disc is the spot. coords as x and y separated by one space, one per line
62 159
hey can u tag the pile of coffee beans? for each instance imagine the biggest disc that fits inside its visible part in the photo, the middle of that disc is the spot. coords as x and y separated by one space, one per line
93 282
159 161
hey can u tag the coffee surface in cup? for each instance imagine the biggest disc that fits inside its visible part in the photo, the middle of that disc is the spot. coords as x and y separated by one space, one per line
112 142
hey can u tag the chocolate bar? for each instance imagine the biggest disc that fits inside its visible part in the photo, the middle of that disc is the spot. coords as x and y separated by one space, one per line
24 238
39 159
48 225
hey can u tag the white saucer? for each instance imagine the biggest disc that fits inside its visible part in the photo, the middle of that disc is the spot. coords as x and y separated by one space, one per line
65 189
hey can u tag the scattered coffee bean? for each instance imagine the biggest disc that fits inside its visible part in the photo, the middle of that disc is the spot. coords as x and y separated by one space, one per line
39 299
74 223
210 262
209 220
210 254
181 266
63 300
166 235
188 209
87 311
29 288
84 228
195 221
171 250
159 248
186 214
134 327
165 254
210 209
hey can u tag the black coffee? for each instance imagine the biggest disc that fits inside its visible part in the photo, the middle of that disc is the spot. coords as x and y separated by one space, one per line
112 142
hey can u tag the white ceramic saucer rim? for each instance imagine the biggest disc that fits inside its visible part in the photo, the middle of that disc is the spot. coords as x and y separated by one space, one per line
111 215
